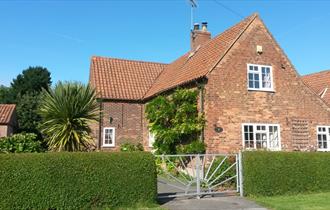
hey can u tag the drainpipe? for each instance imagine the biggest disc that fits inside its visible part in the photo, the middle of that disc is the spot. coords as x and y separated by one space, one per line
201 88
100 125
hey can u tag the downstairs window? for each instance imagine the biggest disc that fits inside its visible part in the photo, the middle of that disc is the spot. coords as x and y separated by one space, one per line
261 136
151 139
323 138
108 137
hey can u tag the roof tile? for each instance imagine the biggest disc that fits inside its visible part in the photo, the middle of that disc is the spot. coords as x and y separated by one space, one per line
320 83
6 112
122 79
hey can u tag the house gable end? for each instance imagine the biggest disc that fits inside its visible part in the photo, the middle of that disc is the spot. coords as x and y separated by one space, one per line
229 103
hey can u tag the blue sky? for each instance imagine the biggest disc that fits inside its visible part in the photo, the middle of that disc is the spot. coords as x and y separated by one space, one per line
63 35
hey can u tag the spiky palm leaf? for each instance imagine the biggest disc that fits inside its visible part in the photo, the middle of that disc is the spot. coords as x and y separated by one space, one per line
66 111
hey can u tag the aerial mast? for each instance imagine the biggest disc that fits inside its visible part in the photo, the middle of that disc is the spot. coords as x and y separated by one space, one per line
194 5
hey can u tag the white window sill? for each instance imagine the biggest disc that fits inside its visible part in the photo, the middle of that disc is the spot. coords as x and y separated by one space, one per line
323 150
107 146
262 90
262 149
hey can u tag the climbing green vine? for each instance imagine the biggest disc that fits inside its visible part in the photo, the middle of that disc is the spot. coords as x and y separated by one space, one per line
176 123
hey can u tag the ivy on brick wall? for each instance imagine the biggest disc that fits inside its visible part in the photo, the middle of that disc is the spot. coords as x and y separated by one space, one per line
176 122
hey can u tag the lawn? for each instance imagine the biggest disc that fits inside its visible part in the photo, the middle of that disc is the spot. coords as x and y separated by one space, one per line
317 201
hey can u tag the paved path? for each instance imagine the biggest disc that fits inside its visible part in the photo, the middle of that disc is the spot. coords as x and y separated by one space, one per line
210 203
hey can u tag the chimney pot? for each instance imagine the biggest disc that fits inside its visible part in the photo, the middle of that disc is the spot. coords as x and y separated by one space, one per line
204 26
196 26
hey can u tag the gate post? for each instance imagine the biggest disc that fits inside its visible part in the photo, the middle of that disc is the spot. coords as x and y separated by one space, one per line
240 173
198 181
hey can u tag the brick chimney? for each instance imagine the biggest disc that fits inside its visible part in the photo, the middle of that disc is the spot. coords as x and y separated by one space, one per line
199 36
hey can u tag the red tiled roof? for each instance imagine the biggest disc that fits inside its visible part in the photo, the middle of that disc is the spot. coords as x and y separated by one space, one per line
6 112
122 79
320 83
137 80
191 67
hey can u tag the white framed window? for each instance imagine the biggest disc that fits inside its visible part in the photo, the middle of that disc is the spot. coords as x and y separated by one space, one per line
108 137
323 138
261 136
260 77
151 139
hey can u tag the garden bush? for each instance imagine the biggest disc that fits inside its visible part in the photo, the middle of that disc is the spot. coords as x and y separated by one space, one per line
21 142
76 180
280 173
130 147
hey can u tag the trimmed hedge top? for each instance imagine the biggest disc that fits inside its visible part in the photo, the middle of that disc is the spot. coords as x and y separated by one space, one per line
76 180
279 173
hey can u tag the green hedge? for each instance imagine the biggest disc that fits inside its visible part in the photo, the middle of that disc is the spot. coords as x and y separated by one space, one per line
279 173
76 180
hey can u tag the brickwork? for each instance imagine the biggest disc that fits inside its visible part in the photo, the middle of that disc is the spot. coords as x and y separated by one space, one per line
126 119
3 130
228 103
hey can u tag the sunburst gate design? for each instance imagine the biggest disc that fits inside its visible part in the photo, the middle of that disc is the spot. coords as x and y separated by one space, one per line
198 174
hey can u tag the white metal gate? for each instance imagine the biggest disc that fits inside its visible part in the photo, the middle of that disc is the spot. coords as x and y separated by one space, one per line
199 174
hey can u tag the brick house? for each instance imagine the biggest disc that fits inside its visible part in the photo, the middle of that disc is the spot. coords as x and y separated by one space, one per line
8 120
250 93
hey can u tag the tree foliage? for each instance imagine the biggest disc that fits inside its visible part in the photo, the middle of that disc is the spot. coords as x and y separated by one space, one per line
27 112
33 79
66 111
175 121
6 95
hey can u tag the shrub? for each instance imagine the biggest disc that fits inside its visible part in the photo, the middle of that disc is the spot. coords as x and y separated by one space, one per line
174 120
130 147
76 180
195 147
18 143
279 173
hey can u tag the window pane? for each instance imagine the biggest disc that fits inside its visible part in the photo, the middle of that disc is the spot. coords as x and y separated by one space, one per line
250 76
256 84
256 77
266 79
250 84
273 137
251 68
245 128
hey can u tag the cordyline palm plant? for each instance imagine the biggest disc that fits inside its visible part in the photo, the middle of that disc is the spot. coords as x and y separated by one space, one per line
66 111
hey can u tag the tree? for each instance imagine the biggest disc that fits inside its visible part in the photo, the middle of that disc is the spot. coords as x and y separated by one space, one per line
6 95
66 111
33 79
176 123
27 112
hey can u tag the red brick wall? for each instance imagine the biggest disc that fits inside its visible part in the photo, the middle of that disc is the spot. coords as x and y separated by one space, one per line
127 121
228 103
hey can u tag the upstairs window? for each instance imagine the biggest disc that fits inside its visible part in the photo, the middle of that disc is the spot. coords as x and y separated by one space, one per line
323 138
261 136
260 77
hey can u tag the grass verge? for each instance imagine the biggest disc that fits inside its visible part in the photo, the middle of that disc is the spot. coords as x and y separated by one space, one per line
315 201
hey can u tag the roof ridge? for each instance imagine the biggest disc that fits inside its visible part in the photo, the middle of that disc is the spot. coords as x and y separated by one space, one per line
129 60
319 72
7 104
